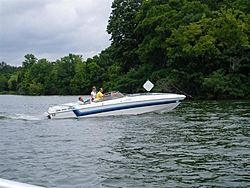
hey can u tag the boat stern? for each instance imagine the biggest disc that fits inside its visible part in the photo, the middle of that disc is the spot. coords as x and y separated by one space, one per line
60 111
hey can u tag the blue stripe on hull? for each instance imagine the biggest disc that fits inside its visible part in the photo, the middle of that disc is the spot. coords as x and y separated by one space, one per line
79 113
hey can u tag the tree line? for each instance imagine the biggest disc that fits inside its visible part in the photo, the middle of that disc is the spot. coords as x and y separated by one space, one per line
199 48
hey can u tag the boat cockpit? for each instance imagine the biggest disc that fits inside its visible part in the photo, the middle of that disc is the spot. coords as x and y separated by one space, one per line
110 96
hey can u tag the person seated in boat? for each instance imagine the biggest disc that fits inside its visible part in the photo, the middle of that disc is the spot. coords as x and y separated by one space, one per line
93 93
99 95
80 101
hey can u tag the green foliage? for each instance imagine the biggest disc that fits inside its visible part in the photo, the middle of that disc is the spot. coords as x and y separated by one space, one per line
132 81
224 86
13 82
64 73
121 27
5 68
80 80
35 89
30 59
242 5
3 83
113 75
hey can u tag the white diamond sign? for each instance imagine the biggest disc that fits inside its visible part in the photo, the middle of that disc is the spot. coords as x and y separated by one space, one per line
148 85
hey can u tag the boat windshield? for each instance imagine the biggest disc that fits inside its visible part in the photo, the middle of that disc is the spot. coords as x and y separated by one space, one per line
113 95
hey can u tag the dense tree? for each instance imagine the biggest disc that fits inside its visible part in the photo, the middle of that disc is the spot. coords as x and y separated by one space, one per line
80 82
29 60
3 83
5 68
242 5
64 73
13 82
124 41
208 45
40 75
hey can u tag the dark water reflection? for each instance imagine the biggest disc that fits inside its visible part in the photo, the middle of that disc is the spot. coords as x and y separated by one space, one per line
199 144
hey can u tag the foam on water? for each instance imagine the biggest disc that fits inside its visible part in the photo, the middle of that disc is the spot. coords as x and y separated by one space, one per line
21 117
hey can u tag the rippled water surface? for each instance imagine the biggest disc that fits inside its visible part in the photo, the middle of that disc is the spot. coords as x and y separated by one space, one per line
199 144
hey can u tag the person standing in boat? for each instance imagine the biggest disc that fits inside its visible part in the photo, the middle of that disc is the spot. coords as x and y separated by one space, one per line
93 93
99 95
80 101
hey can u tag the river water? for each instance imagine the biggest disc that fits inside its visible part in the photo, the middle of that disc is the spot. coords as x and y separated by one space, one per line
198 144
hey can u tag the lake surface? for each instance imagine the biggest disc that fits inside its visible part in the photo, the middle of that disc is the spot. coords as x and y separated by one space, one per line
198 144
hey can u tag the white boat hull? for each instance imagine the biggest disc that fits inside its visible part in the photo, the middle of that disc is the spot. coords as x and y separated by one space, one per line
128 105
14 184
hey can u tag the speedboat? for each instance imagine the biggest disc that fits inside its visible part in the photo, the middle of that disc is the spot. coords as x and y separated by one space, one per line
116 103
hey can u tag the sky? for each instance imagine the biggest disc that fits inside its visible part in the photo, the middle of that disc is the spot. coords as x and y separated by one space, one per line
52 29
